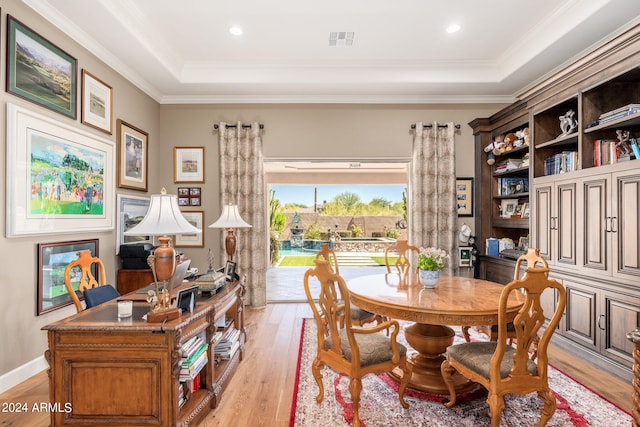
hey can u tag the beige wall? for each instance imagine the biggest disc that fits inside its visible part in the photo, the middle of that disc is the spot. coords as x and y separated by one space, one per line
19 325
291 131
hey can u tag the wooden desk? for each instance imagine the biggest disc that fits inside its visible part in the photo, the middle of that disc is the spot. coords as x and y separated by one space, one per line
460 301
106 371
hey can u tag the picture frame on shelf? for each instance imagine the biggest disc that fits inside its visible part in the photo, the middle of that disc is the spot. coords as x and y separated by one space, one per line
195 240
131 210
53 258
39 71
465 256
188 164
97 102
508 207
46 192
525 210
133 156
464 196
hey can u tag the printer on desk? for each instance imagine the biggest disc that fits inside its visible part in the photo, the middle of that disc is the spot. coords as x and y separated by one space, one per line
134 256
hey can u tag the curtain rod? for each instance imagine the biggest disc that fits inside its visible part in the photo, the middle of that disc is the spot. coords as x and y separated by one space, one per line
413 126
229 126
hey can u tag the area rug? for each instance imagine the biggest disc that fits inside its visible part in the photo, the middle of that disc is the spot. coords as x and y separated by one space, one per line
379 404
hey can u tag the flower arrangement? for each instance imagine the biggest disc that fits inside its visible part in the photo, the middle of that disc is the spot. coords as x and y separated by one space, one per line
432 259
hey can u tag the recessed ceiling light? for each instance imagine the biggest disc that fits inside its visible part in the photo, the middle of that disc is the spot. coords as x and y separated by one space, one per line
453 28
236 30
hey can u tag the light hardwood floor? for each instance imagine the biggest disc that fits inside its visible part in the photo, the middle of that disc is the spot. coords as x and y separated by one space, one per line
261 391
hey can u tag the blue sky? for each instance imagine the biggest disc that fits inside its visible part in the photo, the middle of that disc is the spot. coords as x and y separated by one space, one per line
304 194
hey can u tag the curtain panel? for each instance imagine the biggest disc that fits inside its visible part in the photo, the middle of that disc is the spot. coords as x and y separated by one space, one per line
432 205
242 183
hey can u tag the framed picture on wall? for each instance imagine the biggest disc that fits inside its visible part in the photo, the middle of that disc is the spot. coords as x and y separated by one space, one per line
196 240
97 99
464 258
188 164
52 261
133 157
464 196
131 210
39 71
59 177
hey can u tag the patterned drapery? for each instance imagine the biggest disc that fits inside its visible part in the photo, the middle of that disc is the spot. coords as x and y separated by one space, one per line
432 205
242 183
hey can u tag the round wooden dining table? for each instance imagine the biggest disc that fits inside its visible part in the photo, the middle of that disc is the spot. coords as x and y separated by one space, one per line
455 301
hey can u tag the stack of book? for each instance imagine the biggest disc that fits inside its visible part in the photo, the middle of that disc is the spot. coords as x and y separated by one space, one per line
229 344
604 152
194 357
618 113
561 163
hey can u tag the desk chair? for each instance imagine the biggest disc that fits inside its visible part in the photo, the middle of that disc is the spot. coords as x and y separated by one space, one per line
345 348
359 316
405 254
95 291
501 368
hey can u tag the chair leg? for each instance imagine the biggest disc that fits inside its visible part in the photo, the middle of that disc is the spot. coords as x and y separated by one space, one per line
407 371
496 405
447 371
355 387
315 368
465 333
549 407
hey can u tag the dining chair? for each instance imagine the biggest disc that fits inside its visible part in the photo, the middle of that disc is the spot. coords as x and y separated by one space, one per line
505 369
359 316
82 270
348 349
532 258
405 254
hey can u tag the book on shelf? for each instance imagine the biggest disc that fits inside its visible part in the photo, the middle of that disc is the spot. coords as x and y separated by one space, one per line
563 162
507 165
605 152
628 109
512 185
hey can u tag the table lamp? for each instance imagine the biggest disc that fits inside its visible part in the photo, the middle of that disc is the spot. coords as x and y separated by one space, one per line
230 218
163 218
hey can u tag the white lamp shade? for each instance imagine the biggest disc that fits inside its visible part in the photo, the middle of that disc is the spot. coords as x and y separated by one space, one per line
163 218
230 218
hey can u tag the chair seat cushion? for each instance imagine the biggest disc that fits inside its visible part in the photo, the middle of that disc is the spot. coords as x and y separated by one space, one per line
374 348
100 294
476 356
360 314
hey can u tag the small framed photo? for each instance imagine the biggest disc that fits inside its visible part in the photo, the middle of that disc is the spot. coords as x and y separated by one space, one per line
464 196
195 240
188 164
189 196
464 256
525 210
39 71
97 99
508 207
133 157
230 270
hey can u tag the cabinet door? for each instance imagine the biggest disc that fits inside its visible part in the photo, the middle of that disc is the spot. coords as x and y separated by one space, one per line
565 226
596 223
541 219
625 229
619 315
580 314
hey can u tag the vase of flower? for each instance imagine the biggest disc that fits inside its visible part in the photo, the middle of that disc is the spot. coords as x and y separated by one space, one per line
430 262
429 278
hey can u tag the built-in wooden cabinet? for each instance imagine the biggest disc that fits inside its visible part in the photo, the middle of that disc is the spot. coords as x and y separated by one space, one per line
584 201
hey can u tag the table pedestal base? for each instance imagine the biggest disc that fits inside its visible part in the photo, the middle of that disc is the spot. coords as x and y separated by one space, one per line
431 342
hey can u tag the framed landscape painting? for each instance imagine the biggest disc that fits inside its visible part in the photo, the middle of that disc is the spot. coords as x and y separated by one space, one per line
52 261
97 99
131 210
188 164
39 71
196 240
59 178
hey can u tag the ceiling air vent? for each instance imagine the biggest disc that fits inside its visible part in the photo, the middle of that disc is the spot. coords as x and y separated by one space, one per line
341 38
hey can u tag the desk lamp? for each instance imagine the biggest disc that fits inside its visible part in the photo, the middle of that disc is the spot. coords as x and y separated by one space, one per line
230 218
163 219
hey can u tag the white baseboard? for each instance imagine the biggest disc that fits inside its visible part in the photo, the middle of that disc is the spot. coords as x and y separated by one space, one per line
22 373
